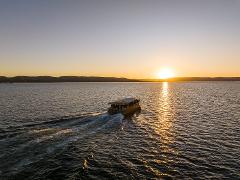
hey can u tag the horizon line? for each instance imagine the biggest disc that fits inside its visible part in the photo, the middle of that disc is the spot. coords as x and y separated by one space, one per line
116 76
32 79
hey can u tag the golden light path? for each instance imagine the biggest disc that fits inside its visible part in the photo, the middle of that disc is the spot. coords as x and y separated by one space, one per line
165 118
166 121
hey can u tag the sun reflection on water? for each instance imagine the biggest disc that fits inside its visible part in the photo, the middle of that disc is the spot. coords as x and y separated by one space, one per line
165 91
164 127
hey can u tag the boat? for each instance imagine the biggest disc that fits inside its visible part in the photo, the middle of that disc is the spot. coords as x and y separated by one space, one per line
125 106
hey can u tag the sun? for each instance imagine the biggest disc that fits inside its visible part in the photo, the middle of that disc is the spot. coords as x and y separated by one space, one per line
165 73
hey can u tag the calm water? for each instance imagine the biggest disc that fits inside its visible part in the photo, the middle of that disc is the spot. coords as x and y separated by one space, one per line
62 131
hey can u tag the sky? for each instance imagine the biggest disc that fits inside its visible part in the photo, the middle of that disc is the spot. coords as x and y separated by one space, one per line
121 38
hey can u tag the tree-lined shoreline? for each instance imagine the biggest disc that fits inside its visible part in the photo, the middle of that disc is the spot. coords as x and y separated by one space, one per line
42 79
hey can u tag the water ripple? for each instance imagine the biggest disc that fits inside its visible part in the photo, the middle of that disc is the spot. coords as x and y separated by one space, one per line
61 131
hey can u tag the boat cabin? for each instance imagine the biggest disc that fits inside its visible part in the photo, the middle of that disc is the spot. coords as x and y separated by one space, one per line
124 106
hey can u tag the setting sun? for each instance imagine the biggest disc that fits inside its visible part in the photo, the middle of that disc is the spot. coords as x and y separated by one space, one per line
165 73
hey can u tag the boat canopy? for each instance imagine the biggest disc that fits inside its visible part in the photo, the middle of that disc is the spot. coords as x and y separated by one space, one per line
125 101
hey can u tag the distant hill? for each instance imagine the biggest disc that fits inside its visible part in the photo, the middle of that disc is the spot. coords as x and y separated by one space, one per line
61 79
41 79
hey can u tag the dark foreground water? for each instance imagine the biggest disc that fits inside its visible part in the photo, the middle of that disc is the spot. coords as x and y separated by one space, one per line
62 131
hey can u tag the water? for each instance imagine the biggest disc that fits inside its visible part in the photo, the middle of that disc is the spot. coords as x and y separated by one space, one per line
62 131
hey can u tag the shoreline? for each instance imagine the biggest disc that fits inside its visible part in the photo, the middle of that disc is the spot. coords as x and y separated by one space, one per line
61 79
